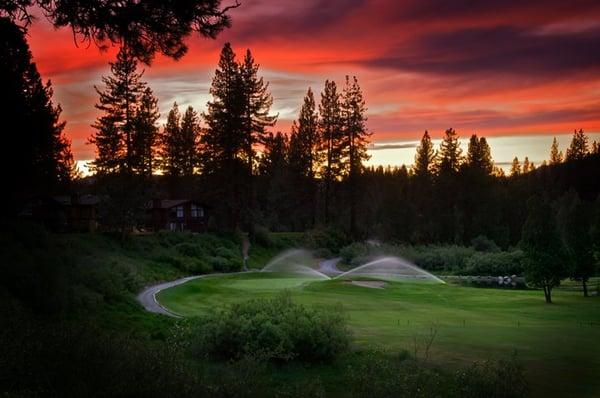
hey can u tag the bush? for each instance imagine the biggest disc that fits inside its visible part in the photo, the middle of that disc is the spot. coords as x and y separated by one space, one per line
502 379
328 238
270 329
495 264
484 244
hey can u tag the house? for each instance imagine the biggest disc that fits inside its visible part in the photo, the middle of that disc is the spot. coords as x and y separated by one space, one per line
74 213
177 215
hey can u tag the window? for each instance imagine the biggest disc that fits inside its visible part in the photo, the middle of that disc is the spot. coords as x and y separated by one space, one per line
179 210
197 211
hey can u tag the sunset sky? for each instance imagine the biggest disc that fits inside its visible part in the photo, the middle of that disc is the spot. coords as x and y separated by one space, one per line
510 69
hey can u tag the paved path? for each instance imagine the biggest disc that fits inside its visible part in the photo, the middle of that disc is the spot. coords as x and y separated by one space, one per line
148 296
329 267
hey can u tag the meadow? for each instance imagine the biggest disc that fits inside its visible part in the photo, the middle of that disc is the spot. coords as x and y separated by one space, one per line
445 324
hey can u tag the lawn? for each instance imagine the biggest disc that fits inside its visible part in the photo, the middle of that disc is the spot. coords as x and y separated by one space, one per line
558 344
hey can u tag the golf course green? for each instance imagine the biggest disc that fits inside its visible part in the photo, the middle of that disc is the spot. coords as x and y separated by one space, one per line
558 344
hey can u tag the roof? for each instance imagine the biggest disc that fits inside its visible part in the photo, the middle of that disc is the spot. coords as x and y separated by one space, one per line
82 200
168 203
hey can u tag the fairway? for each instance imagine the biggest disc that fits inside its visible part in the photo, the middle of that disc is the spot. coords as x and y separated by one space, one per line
559 344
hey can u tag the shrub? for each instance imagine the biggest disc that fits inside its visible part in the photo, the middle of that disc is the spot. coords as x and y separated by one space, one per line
262 237
270 329
484 244
502 379
495 264
330 238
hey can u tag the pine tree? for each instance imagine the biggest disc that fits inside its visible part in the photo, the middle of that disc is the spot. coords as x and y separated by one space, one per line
353 143
526 165
256 107
44 163
188 142
479 155
449 157
331 135
225 137
115 128
425 158
515 168
556 156
306 137
579 147
169 146
145 134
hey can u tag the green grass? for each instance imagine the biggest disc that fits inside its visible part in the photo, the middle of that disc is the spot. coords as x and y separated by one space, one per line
558 344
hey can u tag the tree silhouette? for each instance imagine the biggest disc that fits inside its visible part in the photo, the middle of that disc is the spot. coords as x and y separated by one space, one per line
543 248
145 134
576 226
449 157
479 157
556 156
45 162
425 158
579 147
115 127
354 140
515 168
331 134
145 27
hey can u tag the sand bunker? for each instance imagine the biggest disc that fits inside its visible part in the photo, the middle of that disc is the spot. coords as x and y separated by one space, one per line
369 284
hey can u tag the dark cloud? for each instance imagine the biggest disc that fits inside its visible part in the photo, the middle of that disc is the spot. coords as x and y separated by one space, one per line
502 50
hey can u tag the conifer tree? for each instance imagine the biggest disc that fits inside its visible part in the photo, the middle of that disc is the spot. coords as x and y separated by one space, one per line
306 138
225 137
170 157
515 168
353 143
45 162
188 142
479 155
331 136
556 156
526 165
425 157
145 134
257 102
579 147
449 157
115 127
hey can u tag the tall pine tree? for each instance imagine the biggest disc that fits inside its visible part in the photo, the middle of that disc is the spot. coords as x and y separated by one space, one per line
353 142
424 158
579 147
45 162
450 154
556 156
115 127
145 134
330 128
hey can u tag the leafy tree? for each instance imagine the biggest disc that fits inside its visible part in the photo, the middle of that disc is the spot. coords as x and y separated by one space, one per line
515 168
145 134
576 226
579 147
45 162
425 158
146 27
115 127
353 143
556 156
331 136
449 157
543 248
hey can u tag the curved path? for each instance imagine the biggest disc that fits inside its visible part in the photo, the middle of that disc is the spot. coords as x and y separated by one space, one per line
147 297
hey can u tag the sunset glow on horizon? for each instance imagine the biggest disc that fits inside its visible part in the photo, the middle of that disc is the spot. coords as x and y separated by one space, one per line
499 69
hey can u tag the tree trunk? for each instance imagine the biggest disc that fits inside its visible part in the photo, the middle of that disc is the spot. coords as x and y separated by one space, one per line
585 289
548 294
